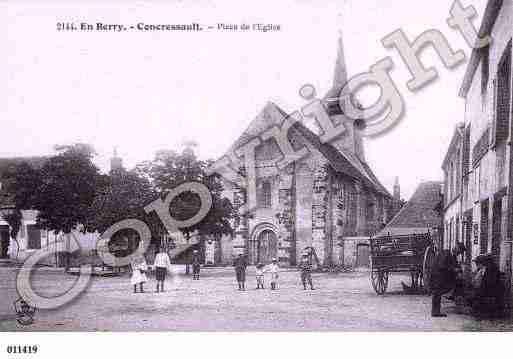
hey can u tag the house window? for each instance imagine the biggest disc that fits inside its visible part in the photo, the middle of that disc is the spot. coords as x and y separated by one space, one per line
265 195
484 228
485 72
502 99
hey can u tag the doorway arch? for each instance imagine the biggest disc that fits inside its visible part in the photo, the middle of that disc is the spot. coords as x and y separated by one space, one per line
263 244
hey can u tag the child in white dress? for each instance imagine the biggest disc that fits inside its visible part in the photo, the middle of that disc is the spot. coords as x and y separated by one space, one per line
259 273
274 269
139 269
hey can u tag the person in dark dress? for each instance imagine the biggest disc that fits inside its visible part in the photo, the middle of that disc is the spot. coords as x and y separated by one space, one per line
305 265
443 277
488 297
196 265
240 271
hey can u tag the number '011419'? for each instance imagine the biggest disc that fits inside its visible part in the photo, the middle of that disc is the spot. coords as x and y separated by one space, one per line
22 349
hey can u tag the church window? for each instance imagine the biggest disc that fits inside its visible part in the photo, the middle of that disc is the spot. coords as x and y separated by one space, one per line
265 195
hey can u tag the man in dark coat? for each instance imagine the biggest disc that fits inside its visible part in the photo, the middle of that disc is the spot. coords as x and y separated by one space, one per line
240 271
196 265
443 277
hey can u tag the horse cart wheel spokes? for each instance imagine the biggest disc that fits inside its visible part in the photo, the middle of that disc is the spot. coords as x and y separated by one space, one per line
429 258
379 280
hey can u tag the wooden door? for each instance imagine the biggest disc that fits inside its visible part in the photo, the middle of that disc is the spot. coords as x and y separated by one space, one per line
4 241
267 246
362 257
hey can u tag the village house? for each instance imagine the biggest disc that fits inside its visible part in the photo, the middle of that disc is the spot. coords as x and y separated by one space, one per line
452 166
420 214
329 201
486 161
30 237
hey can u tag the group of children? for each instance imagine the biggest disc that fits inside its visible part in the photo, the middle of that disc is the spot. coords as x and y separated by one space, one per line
240 265
273 269
162 265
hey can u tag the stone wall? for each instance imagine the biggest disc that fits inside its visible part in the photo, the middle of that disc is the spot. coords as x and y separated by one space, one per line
286 244
303 200
320 211
240 223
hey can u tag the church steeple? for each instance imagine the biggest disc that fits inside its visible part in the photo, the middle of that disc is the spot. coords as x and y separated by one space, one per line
116 162
397 189
340 73
351 141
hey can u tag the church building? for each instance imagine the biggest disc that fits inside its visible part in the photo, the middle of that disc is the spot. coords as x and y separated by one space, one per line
321 201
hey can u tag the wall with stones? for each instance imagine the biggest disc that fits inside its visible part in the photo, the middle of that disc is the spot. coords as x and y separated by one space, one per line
320 211
286 198
303 203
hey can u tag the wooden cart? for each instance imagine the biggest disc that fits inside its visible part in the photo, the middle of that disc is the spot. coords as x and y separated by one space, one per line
411 253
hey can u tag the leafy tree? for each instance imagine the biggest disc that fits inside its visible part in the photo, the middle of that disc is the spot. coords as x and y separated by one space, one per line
123 196
69 184
168 170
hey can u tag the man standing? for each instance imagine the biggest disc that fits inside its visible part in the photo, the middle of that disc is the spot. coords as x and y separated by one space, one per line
240 271
306 271
196 265
443 278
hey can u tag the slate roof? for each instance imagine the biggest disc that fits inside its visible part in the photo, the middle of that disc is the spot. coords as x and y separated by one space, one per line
419 214
342 161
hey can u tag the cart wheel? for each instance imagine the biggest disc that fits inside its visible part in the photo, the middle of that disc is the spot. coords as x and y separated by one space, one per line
429 257
379 279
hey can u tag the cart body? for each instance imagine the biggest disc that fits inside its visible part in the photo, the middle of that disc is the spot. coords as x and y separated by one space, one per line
399 254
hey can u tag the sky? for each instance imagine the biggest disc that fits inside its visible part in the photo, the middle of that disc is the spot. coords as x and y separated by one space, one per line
146 91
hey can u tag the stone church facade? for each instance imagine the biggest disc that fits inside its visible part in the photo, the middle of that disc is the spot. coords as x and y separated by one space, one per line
316 202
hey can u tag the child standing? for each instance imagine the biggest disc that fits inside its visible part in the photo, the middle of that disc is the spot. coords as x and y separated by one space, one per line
274 269
260 275
139 268
162 265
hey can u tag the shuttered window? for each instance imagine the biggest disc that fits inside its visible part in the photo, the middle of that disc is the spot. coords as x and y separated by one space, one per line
466 151
502 94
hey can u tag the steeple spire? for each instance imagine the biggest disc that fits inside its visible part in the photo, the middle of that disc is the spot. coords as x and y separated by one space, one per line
397 189
340 74
116 162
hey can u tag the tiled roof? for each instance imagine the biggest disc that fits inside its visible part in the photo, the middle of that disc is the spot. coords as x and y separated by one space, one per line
419 213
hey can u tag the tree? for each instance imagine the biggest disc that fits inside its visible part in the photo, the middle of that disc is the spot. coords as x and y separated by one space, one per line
168 170
69 182
124 196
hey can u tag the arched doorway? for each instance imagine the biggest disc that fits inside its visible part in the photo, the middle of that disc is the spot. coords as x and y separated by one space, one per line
263 244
